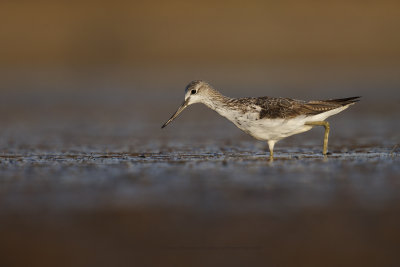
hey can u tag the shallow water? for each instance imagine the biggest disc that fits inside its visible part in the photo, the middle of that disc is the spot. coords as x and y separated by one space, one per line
105 185
206 180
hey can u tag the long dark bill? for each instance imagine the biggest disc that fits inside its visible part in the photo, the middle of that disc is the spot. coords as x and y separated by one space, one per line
176 114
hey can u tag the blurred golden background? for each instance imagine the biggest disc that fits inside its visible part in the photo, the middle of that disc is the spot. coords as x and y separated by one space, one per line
267 43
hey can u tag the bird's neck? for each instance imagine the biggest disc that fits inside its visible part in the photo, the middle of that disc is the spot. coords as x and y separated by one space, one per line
216 100
220 103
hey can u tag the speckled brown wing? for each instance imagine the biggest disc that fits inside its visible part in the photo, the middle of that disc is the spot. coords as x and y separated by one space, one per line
273 108
326 105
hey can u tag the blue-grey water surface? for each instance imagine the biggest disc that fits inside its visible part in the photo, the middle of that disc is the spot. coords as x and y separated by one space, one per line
91 179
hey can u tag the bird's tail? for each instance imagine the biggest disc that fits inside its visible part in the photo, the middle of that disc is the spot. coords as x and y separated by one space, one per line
344 101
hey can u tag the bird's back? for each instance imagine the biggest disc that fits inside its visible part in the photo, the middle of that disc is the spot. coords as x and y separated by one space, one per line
286 108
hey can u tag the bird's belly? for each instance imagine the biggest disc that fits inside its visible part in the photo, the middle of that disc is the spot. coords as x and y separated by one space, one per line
273 129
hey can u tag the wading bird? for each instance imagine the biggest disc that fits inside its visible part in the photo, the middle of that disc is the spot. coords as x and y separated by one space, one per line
266 118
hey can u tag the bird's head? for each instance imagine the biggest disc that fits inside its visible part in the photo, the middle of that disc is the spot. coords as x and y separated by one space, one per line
195 92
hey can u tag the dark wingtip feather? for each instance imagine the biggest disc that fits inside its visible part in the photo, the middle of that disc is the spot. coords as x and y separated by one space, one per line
346 101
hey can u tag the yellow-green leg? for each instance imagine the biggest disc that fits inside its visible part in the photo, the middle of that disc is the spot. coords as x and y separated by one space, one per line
271 145
326 126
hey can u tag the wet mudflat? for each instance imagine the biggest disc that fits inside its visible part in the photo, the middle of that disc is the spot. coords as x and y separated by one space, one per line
110 188
234 181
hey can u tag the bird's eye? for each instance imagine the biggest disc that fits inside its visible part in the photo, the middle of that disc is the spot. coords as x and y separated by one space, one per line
193 92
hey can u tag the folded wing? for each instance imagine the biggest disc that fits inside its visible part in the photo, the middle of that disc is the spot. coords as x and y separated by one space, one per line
273 108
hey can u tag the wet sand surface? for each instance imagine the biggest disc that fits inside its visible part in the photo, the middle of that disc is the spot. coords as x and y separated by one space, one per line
96 182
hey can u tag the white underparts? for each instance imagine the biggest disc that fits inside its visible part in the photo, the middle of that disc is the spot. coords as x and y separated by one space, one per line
270 129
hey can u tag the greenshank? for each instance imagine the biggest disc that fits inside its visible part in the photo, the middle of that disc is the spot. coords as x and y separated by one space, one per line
266 118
